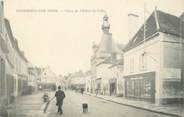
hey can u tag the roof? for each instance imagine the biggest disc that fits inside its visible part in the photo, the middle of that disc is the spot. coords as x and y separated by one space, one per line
112 61
13 41
120 46
158 21
107 45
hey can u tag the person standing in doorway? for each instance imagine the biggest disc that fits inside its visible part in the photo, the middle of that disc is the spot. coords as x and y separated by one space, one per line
60 95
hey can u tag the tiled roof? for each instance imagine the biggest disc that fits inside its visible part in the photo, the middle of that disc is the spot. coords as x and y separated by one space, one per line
13 40
157 22
107 45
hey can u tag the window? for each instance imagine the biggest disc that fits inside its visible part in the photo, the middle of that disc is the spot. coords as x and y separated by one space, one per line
131 65
143 61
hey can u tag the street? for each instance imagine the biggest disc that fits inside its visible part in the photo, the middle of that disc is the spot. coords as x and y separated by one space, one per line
97 108
28 106
118 58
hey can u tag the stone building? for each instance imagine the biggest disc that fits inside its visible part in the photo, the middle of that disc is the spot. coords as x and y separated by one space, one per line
104 56
33 78
116 81
153 65
3 64
47 79
18 73
76 80
13 64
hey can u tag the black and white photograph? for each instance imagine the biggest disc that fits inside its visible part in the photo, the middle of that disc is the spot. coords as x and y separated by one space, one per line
91 58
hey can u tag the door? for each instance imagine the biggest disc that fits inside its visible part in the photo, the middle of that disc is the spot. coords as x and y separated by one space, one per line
2 77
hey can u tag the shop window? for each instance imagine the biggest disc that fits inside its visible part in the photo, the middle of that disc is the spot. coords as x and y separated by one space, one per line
147 88
171 87
130 88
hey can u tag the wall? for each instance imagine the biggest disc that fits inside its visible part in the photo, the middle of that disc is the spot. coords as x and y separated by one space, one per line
117 72
152 49
19 70
153 60
88 82
163 56
172 61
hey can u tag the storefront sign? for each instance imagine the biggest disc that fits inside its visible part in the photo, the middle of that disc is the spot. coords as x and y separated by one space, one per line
171 73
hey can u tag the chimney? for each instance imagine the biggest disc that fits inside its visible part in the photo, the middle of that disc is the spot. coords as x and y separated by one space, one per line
182 17
133 23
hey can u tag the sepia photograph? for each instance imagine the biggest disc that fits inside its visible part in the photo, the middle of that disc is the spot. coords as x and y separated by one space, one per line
91 58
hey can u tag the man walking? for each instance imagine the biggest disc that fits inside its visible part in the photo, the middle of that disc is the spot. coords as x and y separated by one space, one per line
60 95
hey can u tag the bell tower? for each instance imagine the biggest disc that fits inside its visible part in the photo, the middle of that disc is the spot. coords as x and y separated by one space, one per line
105 25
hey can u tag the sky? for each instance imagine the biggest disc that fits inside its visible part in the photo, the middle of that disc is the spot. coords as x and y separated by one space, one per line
60 33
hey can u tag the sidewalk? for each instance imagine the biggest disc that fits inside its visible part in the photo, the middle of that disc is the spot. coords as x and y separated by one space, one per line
28 106
162 109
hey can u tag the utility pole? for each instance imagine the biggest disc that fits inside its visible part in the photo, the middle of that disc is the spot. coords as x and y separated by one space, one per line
181 62
181 53
144 33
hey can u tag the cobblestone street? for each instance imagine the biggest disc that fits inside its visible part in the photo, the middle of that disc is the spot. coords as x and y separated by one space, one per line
97 108
28 106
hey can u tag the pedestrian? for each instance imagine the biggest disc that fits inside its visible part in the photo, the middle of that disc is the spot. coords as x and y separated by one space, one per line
82 91
60 95
96 91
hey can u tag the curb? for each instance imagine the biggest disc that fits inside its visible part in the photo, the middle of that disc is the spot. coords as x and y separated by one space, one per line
159 112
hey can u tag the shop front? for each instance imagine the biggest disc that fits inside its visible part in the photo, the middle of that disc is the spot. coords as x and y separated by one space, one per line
10 88
98 83
113 86
140 86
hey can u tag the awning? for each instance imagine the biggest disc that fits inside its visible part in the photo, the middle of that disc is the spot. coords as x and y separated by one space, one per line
147 74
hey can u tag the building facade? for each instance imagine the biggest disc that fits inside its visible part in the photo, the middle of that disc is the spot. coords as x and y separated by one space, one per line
18 74
32 78
105 55
116 82
153 59
3 64
47 79
77 80
13 64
